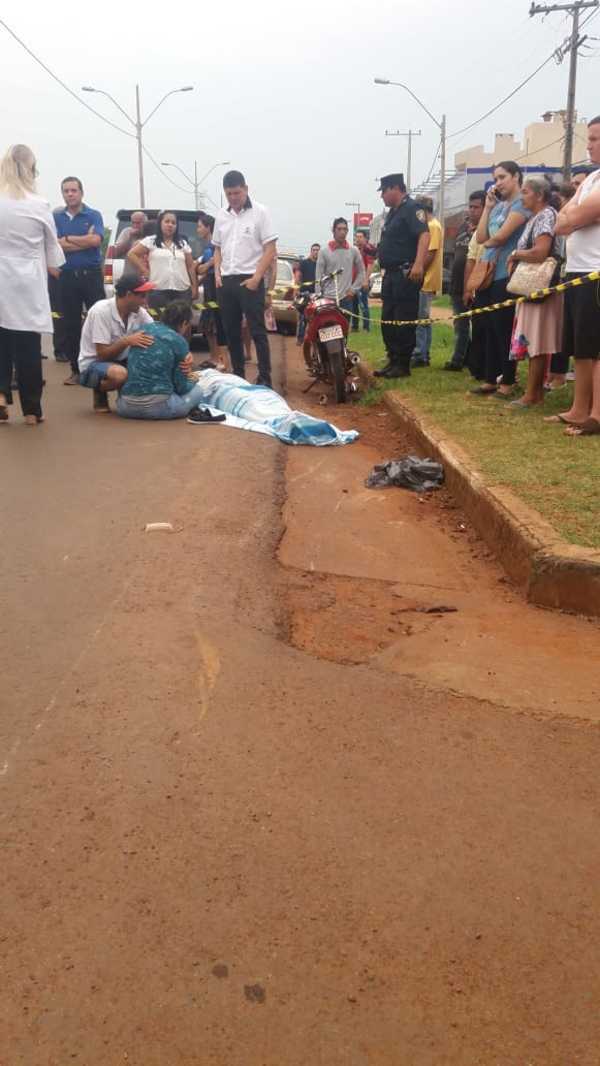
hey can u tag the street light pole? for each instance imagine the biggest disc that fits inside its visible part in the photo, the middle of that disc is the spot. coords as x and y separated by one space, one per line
410 135
138 124
442 128
194 182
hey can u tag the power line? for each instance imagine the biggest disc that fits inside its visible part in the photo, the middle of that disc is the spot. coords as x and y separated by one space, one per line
62 83
85 104
163 172
465 129
559 140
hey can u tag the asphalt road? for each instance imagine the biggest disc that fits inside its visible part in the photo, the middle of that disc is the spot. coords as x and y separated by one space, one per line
220 849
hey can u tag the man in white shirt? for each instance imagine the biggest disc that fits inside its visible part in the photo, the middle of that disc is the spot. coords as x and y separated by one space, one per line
112 327
579 222
245 249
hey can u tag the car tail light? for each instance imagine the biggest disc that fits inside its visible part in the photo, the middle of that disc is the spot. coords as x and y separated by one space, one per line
108 264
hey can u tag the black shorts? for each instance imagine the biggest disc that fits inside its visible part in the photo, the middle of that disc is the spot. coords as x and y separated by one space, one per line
581 329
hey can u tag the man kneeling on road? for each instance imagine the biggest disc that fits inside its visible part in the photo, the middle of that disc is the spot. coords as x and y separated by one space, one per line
110 329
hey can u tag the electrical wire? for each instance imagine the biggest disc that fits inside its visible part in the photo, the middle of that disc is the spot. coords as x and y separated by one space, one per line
465 129
40 62
85 104
559 140
163 172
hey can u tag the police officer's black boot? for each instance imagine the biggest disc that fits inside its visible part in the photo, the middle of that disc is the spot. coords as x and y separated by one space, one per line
397 370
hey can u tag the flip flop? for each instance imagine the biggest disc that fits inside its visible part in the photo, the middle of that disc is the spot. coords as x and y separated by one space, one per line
561 420
589 428
480 391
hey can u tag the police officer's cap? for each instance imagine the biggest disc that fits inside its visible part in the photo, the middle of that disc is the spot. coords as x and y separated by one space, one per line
389 180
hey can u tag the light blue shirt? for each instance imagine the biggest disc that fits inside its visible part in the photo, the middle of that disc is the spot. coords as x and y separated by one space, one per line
498 217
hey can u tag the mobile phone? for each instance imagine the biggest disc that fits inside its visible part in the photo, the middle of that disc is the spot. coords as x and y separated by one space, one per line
497 193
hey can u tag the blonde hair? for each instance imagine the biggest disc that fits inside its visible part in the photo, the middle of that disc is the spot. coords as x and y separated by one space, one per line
17 172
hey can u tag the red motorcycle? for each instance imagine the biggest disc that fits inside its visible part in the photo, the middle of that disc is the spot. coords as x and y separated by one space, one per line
325 350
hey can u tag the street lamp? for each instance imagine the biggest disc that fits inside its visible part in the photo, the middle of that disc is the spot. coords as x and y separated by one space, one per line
195 183
442 128
137 123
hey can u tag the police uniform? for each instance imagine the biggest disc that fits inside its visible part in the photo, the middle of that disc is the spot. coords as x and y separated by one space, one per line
396 253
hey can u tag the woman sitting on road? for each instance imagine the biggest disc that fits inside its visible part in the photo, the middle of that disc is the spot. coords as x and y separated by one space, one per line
538 326
29 250
172 267
157 387
501 224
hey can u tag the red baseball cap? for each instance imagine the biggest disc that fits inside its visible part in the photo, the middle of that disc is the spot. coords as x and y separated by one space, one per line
146 286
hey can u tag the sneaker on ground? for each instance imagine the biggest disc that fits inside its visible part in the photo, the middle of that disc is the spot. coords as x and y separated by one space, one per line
201 416
101 404
73 379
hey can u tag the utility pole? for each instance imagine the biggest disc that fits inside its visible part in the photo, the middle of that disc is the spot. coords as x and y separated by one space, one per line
196 187
443 182
574 9
410 135
138 133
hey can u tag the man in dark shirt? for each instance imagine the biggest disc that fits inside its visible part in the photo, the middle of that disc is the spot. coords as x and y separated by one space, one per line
402 253
308 270
462 326
80 231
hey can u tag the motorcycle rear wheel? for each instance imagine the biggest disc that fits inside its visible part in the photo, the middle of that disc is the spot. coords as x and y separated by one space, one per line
338 374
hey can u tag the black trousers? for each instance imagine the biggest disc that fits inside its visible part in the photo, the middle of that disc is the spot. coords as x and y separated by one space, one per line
23 351
498 336
59 336
78 289
475 360
400 301
235 301
161 298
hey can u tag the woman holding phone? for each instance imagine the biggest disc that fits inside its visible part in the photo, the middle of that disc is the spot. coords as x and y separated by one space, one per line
500 226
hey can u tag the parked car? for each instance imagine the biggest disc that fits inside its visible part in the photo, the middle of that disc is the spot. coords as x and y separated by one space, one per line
375 284
113 268
284 311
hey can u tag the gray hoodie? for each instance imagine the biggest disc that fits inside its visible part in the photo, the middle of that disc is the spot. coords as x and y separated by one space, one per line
350 262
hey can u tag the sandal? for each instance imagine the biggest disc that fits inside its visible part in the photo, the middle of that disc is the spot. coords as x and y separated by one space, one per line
480 391
589 428
561 419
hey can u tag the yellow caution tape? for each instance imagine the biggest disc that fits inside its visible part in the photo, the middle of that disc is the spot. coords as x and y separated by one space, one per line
539 294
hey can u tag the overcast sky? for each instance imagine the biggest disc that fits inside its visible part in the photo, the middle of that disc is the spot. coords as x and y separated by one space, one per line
283 91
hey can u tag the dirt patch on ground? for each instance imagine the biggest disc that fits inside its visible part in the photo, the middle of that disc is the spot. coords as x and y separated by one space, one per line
402 581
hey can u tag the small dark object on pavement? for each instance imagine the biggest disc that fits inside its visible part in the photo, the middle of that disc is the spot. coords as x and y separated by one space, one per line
420 475
436 610
255 993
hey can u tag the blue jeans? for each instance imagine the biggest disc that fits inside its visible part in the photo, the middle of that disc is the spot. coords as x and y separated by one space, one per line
173 406
95 372
424 333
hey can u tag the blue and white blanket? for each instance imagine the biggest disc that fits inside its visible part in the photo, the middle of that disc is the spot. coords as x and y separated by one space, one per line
261 410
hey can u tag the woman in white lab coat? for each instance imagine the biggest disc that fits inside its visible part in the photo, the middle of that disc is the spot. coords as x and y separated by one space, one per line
28 250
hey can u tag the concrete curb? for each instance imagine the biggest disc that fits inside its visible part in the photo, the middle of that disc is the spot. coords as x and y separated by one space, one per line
548 570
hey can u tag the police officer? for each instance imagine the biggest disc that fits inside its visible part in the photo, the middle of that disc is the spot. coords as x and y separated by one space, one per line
402 253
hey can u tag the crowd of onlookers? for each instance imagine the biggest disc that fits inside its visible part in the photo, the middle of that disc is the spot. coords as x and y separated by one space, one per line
520 235
523 234
55 259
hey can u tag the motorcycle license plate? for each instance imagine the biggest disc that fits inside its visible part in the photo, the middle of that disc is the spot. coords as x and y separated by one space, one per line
331 333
